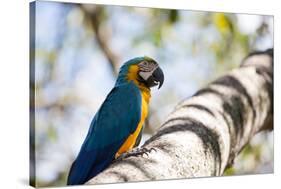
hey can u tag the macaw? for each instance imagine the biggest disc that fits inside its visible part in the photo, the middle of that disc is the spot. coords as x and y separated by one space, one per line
116 128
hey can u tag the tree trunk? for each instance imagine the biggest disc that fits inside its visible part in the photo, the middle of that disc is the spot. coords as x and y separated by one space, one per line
204 133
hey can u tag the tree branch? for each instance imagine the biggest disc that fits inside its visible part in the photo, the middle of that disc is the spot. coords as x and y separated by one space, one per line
204 133
94 14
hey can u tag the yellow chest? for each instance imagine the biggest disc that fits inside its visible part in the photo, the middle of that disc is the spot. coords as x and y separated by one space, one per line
131 140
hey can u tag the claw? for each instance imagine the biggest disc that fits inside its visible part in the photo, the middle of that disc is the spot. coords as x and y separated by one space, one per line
136 152
152 149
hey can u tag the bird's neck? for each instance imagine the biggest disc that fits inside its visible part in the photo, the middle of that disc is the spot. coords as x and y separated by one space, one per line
131 74
145 94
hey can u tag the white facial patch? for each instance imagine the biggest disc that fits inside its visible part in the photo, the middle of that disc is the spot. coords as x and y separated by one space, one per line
146 75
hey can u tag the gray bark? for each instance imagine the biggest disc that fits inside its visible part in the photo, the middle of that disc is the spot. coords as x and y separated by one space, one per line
204 133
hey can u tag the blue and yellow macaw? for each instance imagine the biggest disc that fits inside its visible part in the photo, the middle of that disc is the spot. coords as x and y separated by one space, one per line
116 127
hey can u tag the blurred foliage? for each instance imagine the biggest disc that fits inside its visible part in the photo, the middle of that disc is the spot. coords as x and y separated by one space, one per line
256 157
161 21
74 70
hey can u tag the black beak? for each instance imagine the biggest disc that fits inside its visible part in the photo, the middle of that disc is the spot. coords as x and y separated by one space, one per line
157 78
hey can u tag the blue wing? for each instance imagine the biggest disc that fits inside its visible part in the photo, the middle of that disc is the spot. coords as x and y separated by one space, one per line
116 119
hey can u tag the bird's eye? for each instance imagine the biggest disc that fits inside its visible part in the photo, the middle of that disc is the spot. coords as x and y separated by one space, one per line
145 63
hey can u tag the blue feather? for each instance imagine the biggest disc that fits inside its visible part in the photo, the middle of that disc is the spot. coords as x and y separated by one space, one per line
116 119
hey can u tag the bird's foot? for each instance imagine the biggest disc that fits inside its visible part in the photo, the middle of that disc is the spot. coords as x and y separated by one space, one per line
140 151
136 152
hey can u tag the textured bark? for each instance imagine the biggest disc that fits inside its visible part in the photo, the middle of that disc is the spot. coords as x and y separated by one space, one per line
204 133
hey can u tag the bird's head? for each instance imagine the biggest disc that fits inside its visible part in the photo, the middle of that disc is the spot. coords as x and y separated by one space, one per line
143 71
